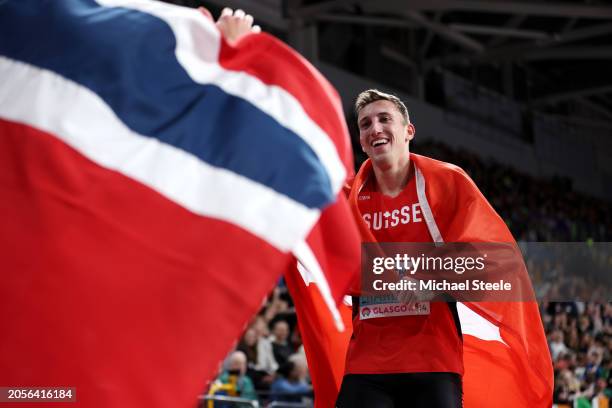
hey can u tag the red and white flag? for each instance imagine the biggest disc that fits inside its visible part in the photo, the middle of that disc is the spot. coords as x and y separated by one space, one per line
154 184
506 358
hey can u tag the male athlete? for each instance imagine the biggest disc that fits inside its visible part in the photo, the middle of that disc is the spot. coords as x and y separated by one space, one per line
415 358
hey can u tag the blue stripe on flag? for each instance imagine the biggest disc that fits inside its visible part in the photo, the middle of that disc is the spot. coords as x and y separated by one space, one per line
127 58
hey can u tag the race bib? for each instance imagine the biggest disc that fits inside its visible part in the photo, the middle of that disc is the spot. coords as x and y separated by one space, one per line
372 307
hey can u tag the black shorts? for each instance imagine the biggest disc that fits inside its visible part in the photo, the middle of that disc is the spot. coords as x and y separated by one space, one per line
414 390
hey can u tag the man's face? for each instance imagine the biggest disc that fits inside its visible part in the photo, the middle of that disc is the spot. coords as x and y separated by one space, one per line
383 135
281 331
237 363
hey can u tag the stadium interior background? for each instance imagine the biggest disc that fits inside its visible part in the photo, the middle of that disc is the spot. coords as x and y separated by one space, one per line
517 93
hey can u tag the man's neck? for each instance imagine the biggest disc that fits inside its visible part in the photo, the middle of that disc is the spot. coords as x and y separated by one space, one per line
392 179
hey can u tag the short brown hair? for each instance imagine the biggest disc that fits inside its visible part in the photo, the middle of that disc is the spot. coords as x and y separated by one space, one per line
373 95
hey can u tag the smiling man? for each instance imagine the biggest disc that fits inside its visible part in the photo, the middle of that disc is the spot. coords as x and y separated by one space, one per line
385 133
413 358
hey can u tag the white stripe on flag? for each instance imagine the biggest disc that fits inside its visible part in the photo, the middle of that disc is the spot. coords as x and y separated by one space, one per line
197 50
80 118
471 322
475 325
311 272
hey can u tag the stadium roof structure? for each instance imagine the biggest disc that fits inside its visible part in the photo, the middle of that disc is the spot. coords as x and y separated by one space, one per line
550 56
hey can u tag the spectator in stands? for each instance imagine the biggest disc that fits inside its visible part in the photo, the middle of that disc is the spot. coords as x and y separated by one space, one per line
291 385
556 344
261 364
586 341
233 381
602 394
260 325
584 323
607 315
573 339
566 386
582 372
276 306
593 360
280 342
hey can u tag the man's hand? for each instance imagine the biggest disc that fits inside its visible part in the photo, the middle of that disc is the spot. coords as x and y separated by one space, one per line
412 297
234 25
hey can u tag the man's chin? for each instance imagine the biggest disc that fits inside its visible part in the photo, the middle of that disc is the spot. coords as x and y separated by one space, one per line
381 160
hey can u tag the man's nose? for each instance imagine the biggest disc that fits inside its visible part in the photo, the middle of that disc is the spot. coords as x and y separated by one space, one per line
376 127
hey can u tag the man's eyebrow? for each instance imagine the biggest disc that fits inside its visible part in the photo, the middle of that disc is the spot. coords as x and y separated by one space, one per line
377 114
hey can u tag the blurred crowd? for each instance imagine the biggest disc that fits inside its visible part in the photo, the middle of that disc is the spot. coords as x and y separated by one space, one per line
269 363
570 271
534 209
580 341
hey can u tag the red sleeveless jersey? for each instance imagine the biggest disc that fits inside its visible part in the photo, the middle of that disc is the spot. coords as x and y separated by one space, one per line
392 341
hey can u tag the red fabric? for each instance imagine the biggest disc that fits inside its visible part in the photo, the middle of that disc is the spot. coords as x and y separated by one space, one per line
400 344
247 56
524 367
518 374
406 344
404 222
96 296
325 346
335 242
112 288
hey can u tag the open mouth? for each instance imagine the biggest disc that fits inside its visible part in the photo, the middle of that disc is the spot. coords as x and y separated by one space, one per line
379 142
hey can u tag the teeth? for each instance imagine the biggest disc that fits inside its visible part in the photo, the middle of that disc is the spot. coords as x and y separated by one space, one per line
379 142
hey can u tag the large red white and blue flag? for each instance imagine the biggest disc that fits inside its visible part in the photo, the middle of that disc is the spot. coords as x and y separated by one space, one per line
154 184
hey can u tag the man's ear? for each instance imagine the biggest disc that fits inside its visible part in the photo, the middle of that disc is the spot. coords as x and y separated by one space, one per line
410 131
